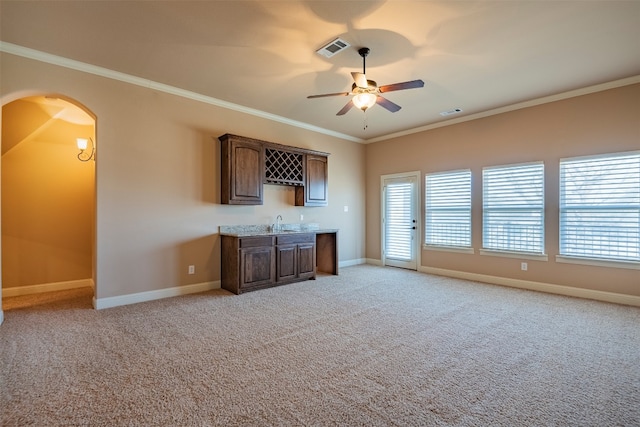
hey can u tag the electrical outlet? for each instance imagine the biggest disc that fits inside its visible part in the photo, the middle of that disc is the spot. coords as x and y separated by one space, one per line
346 208
523 266
192 269
301 217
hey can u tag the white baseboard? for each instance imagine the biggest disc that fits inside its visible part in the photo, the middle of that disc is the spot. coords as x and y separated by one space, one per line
110 302
17 291
530 285
352 262
538 286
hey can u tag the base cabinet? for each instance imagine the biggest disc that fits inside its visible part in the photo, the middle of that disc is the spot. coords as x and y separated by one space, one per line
257 266
307 261
258 262
296 257
286 261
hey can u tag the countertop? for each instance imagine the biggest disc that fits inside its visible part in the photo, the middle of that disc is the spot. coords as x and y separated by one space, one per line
266 230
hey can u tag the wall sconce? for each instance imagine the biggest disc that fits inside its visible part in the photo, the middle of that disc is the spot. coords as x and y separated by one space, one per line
84 155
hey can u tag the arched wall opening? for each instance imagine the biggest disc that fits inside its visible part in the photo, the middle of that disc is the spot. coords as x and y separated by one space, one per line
48 195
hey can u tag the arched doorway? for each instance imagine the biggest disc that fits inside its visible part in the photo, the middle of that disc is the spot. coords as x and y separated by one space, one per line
48 196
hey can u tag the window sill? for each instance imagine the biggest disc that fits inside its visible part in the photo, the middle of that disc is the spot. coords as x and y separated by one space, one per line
598 262
449 249
518 255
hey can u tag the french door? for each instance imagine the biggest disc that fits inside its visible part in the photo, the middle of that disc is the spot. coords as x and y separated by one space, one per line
400 207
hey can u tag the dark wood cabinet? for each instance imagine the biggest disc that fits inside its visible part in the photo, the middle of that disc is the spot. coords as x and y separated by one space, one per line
257 262
296 257
306 261
315 189
247 263
242 174
287 262
257 266
247 164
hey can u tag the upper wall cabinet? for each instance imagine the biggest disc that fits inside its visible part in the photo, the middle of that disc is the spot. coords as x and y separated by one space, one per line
242 161
248 163
315 189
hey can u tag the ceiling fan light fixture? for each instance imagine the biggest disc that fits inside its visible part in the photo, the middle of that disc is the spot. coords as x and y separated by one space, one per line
364 100
366 93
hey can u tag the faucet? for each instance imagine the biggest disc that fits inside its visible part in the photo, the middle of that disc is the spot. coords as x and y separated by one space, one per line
278 225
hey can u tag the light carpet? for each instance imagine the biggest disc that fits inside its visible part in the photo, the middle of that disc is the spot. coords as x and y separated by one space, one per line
374 346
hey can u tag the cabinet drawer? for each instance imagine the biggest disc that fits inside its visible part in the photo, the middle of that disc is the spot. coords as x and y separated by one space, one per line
252 242
290 239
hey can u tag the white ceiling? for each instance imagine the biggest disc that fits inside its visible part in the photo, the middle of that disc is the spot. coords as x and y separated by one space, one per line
473 55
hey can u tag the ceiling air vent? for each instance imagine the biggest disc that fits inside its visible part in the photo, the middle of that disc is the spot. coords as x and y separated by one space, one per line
451 112
338 45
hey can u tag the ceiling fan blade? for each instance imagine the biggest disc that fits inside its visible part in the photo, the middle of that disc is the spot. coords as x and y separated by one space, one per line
329 94
385 103
360 79
345 108
401 86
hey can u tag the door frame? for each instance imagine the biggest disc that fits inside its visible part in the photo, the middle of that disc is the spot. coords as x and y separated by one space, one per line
94 246
417 200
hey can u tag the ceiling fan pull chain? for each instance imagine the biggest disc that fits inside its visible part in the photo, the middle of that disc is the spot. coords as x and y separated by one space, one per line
365 123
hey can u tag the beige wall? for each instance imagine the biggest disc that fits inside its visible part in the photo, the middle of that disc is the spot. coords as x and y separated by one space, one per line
47 198
158 175
603 122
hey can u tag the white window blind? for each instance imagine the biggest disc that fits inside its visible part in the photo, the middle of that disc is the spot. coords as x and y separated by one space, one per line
513 208
600 207
448 209
398 221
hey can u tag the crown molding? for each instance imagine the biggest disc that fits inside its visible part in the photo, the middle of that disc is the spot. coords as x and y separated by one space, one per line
37 55
518 106
48 58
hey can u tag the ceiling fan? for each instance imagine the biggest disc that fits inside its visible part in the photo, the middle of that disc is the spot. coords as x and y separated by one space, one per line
366 93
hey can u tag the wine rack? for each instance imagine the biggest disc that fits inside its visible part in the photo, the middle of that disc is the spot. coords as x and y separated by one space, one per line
284 167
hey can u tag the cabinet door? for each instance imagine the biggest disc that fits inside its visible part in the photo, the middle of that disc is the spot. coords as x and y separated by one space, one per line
306 261
315 190
257 266
287 268
242 171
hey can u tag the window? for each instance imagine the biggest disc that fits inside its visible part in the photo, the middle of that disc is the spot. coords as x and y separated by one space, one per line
448 209
600 207
513 208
